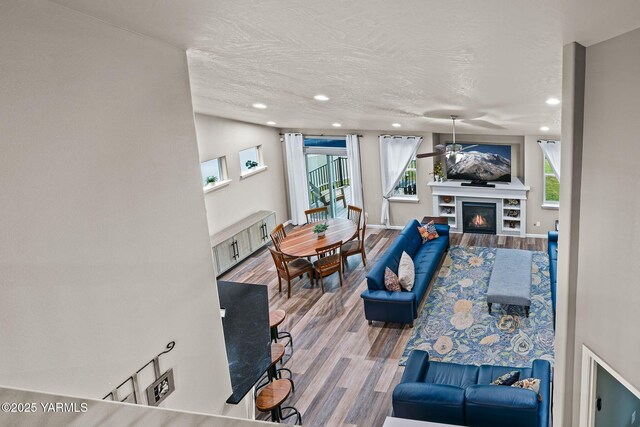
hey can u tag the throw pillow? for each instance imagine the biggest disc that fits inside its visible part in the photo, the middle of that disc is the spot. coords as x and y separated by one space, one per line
406 272
507 379
391 281
532 384
431 229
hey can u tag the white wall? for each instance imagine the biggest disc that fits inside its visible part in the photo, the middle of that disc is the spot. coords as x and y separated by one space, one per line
105 253
242 197
608 295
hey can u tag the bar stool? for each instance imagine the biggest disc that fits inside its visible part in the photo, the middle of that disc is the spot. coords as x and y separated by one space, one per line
273 372
271 399
276 317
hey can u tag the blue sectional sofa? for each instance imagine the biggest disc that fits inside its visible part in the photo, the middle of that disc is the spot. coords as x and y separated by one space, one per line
402 307
553 268
463 395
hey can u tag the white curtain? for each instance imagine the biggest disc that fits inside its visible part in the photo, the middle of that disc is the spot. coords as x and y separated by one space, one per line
396 152
551 150
355 173
297 177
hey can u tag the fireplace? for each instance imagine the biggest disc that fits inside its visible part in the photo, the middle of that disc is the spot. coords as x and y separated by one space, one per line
479 218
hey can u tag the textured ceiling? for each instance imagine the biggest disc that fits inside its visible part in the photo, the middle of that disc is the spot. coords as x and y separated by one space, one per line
492 62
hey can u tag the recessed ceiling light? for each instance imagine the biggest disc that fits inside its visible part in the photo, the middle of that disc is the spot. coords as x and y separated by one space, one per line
271 123
396 125
544 128
553 101
320 97
336 125
259 106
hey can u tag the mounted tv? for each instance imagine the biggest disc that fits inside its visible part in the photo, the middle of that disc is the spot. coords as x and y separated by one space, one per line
479 162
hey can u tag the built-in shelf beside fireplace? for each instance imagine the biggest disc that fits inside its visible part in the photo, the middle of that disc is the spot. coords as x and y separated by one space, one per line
509 199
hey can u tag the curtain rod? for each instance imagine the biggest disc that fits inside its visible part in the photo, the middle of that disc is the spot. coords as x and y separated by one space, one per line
322 134
548 140
402 136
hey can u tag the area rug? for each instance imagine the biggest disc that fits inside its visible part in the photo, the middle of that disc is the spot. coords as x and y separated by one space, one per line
455 325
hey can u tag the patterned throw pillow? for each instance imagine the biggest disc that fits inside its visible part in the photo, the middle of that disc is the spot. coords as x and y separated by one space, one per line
391 281
507 379
532 384
428 232
406 272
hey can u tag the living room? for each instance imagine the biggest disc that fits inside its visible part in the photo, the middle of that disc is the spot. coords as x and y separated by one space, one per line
111 258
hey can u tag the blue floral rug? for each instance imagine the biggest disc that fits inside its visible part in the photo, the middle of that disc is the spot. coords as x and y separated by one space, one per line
455 326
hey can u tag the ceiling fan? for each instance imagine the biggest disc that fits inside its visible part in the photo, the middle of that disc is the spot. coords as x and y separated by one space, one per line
441 149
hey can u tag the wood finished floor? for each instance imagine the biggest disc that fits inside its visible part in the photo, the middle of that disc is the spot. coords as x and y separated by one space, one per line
345 370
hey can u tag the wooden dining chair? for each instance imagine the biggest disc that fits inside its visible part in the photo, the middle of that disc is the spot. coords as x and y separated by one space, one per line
355 247
277 235
289 268
329 261
317 214
354 213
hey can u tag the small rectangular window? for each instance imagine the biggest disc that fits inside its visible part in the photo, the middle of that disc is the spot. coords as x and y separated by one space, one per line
407 186
551 185
213 171
251 159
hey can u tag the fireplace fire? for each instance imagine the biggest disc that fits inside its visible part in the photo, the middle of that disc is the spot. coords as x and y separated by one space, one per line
479 221
479 218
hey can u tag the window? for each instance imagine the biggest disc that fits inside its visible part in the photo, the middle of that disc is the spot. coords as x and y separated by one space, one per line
407 185
551 186
214 173
251 161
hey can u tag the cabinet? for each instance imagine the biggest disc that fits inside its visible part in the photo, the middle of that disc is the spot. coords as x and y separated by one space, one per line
240 240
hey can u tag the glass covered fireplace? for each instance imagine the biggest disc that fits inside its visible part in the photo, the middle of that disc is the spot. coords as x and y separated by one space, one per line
479 218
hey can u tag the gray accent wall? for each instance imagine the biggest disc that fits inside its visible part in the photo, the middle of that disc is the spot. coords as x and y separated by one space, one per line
608 291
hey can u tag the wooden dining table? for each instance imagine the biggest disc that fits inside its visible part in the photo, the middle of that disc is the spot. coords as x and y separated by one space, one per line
303 242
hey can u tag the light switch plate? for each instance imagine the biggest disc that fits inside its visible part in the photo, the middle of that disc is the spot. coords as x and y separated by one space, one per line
161 388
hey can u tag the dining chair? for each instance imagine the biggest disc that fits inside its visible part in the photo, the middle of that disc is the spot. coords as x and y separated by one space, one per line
317 214
277 235
329 261
355 247
289 268
354 213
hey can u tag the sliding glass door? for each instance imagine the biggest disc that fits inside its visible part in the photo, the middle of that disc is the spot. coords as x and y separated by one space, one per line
328 175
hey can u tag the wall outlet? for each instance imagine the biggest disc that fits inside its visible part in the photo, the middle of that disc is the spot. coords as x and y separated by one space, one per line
536 224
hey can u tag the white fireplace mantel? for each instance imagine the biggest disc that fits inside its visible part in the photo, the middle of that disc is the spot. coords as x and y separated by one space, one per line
448 197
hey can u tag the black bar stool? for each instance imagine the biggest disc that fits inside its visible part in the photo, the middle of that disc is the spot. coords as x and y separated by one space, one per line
271 399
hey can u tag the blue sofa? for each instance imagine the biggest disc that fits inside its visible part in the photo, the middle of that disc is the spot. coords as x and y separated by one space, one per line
553 268
462 394
402 307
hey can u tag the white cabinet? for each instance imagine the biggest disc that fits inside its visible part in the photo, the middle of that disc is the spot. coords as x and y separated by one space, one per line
240 240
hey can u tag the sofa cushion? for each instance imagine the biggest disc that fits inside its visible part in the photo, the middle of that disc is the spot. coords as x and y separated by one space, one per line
391 259
451 374
406 272
391 280
429 402
491 406
414 239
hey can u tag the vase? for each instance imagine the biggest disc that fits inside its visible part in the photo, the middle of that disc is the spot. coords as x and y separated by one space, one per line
321 235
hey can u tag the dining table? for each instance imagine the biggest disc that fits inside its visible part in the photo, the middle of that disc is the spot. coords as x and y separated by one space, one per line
303 242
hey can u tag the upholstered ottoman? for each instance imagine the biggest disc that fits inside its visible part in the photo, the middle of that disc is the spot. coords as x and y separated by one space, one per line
510 281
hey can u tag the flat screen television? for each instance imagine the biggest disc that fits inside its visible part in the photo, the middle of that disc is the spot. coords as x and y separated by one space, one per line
479 162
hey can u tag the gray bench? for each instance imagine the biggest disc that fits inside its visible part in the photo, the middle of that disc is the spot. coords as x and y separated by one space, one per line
510 281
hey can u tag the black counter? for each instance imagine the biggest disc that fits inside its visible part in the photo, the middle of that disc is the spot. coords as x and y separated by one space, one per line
246 334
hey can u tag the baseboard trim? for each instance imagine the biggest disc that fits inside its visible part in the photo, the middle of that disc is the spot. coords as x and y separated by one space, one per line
390 227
